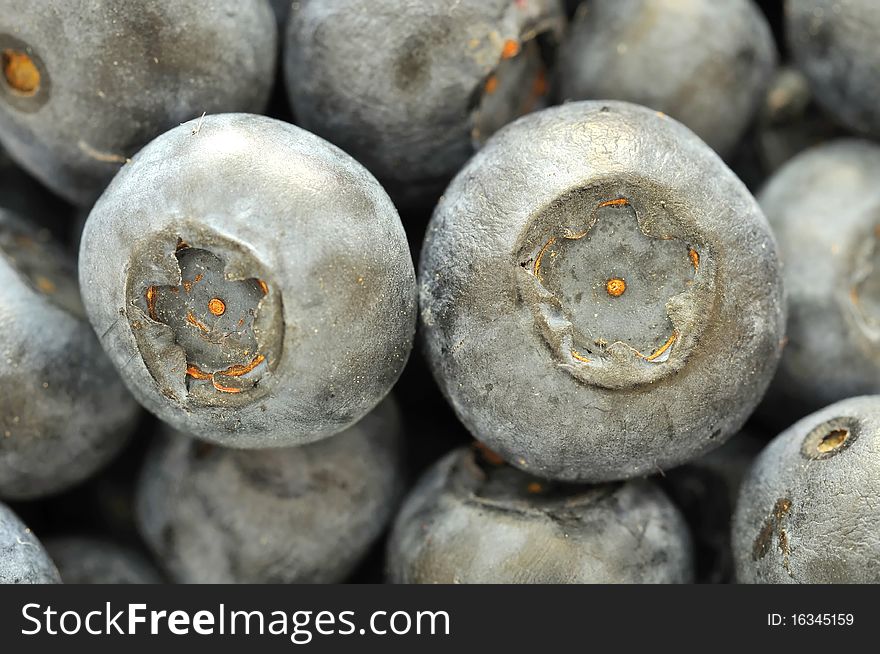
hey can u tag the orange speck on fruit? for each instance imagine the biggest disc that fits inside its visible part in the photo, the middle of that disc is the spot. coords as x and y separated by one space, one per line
216 306
540 86
21 72
192 320
45 284
489 456
151 295
197 373
618 202
615 286
510 49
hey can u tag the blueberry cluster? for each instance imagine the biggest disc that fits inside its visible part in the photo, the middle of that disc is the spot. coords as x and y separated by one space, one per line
646 237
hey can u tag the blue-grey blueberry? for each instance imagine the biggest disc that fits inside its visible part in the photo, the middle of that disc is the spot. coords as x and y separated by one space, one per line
835 43
251 282
601 296
807 511
23 560
824 207
411 89
470 520
86 83
303 514
703 62
64 412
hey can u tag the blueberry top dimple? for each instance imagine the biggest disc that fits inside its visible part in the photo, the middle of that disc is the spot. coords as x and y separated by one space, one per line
617 293
615 281
212 319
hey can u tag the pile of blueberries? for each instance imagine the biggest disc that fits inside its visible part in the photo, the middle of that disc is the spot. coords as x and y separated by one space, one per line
208 222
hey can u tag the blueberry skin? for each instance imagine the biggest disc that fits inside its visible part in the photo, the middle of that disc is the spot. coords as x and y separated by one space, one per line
297 515
302 245
467 522
704 62
538 358
807 511
63 411
140 67
88 560
835 44
411 100
824 206
23 560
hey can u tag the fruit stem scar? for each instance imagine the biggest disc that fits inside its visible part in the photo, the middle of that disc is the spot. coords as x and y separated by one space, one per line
615 286
536 270
695 258
618 202
832 440
580 357
510 49
216 306
21 72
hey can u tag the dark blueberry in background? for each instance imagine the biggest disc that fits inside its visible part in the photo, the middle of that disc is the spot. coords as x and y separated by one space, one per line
22 558
86 83
835 43
824 207
788 122
292 515
411 89
706 490
470 520
704 62
251 282
600 294
63 411
88 560
24 196
807 511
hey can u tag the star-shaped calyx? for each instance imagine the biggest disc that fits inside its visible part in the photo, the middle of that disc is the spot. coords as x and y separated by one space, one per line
608 291
212 319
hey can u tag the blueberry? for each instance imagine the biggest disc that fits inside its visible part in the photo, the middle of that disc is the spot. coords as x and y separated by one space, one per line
835 44
251 282
410 89
600 294
63 411
293 515
823 208
88 560
789 120
86 83
22 558
471 521
807 510
703 62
